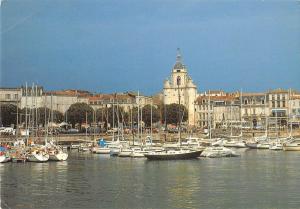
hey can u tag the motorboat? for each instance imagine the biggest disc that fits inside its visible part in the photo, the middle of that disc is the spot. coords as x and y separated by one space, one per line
258 145
234 144
114 149
84 147
137 152
125 152
173 154
216 152
276 146
101 150
292 145
74 146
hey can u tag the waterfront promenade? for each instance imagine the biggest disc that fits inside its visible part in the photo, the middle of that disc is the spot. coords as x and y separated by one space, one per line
161 137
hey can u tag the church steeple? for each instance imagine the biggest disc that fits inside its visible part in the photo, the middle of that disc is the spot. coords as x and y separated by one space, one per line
178 57
179 64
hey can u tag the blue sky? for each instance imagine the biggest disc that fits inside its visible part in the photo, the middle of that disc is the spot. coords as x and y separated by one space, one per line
130 45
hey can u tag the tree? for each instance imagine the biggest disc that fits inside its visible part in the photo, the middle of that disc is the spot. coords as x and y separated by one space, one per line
77 113
146 110
172 113
58 117
8 114
106 115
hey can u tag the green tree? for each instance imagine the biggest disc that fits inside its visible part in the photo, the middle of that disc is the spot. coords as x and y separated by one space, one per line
172 112
8 114
146 110
77 113
42 112
106 115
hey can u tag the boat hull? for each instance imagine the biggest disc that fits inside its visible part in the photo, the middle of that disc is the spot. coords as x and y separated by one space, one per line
38 157
4 159
58 157
291 148
177 156
125 154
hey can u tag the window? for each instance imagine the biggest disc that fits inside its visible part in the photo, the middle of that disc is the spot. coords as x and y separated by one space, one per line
273 103
16 96
262 101
283 103
278 103
7 96
246 101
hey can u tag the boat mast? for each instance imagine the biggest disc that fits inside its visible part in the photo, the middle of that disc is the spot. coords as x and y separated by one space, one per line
113 117
241 112
85 125
265 112
209 116
289 114
141 124
138 119
179 112
151 114
36 111
118 120
230 119
45 119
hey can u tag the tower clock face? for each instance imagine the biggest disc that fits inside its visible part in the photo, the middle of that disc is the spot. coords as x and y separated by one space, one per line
178 80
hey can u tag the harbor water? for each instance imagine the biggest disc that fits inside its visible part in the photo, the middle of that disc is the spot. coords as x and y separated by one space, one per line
256 179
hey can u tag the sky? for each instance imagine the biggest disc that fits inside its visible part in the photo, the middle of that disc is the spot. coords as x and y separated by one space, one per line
130 45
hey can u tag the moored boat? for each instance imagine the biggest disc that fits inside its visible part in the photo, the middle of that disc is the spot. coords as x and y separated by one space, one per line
4 158
58 155
173 155
38 156
217 152
125 152
292 145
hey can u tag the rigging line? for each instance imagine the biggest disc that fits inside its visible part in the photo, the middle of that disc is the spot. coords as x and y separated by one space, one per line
17 23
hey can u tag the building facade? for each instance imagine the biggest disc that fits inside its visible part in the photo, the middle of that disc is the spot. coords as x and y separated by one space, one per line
10 96
217 109
254 110
180 89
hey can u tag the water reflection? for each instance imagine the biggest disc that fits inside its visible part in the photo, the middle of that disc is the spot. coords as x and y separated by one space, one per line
258 179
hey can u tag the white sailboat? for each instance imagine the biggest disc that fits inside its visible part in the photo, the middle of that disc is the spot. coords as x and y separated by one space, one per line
4 158
216 152
58 155
38 156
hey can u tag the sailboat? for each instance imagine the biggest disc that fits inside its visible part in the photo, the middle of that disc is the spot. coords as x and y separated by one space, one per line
38 155
4 155
261 142
55 152
235 141
293 144
179 153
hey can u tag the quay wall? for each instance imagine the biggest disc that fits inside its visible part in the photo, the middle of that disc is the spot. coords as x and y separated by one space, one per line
163 137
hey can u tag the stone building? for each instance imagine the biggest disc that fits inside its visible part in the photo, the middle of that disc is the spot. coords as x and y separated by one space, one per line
294 106
278 107
179 88
10 96
216 109
254 109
